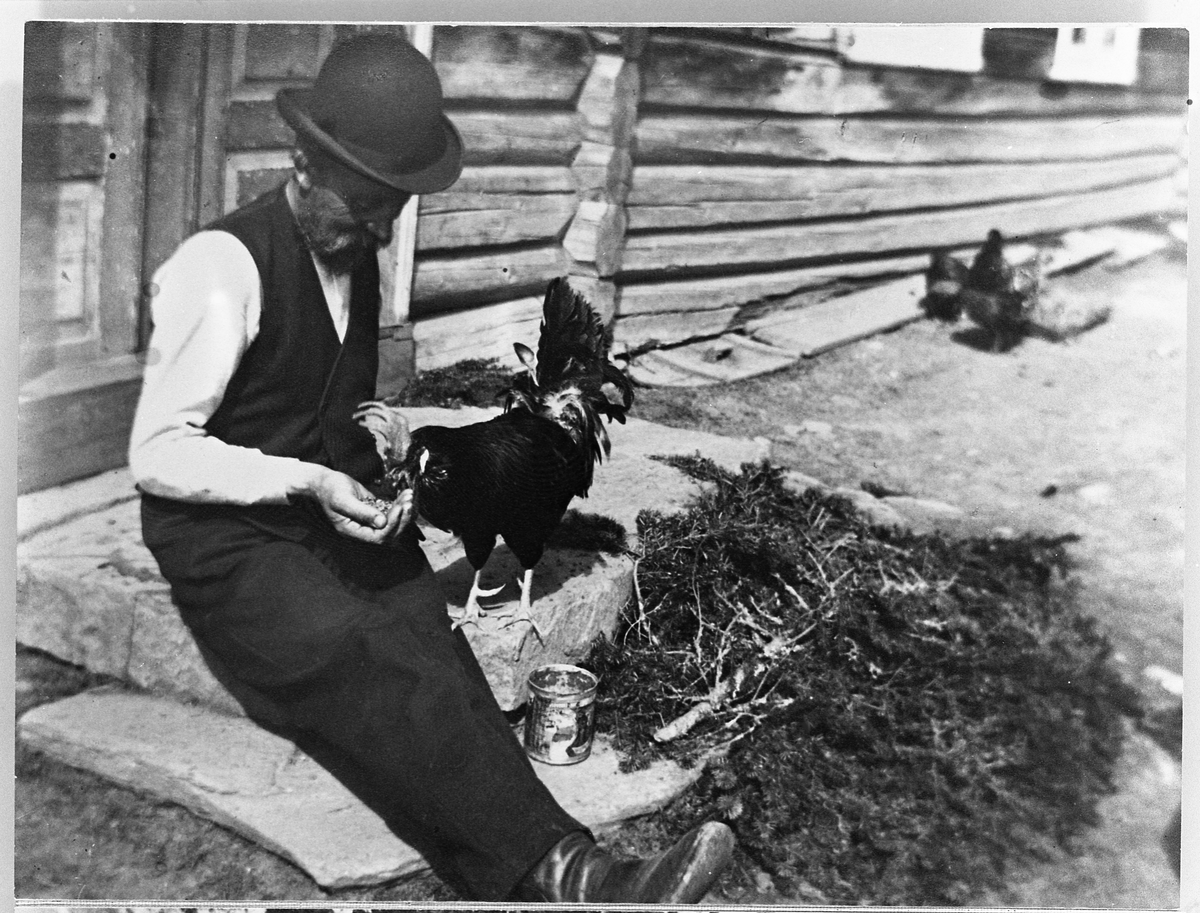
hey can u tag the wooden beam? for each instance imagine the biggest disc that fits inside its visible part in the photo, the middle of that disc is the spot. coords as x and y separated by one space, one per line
75 426
511 63
518 137
745 288
688 138
668 253
446 283
178 58
124 188
396 266
607 108
483 332
211 132
681 196
459 220
497 179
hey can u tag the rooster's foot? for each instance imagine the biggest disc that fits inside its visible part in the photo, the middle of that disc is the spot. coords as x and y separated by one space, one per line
473 611
523 611
524 615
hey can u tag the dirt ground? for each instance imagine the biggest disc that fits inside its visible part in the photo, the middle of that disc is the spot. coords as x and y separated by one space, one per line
1086 437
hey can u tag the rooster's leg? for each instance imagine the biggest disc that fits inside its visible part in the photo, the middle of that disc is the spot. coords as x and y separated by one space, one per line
473 611
524 611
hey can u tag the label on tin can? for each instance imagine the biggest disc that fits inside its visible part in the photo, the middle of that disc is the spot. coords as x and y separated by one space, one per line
560 721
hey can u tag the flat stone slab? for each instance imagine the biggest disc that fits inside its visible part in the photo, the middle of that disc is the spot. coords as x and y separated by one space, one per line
90 593
50 507
576 596
228 770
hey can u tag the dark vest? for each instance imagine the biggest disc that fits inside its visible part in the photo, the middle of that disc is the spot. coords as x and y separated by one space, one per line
297 386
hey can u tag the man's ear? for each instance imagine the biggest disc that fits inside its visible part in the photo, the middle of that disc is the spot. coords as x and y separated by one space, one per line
303 170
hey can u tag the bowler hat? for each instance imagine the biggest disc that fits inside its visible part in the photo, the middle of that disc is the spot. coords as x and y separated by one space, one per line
376 107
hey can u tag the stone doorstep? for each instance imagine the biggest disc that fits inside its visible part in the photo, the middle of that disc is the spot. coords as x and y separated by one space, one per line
89 591
228 770
101 604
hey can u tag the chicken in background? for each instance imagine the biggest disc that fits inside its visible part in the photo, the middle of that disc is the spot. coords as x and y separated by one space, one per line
514 476
943 282
998 296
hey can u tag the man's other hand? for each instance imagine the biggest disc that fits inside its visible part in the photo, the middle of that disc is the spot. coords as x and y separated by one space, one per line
347 505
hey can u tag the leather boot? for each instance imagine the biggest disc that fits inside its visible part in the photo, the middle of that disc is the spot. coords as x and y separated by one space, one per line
577 871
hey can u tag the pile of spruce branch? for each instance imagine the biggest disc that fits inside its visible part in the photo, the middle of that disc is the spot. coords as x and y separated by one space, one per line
886 718
473 382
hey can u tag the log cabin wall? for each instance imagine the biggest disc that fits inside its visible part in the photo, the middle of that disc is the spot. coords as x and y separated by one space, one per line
691 179
547 117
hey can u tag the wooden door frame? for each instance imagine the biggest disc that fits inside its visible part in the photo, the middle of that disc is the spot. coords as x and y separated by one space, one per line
73 419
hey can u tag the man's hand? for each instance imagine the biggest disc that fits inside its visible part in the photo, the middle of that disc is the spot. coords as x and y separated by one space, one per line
345 502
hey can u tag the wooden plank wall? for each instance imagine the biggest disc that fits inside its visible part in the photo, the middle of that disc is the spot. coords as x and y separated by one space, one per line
766 169
547 117
691 178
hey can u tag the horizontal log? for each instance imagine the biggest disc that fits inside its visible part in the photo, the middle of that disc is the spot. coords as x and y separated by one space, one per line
518 137
779 244
511 179
698 295
445 283
490 137
689 72
511 62
77 430
679 196
459 220
691 138
483 332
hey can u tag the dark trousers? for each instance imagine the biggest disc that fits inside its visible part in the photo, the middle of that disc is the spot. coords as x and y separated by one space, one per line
347 650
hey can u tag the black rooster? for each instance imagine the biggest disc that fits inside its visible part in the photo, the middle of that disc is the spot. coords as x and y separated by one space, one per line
514 475
998 296
944 281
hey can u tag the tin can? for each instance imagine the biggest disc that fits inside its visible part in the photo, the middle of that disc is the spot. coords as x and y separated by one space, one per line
560 721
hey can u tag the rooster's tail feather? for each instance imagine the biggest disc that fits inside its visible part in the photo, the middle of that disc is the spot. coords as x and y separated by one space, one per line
571 378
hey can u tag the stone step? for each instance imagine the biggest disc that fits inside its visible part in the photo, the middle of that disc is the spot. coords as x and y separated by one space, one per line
226 769
89 592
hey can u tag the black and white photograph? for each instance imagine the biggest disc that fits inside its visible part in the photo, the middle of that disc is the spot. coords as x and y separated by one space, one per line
534 463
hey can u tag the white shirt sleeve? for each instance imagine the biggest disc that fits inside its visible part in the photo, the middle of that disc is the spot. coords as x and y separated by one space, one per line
206 307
